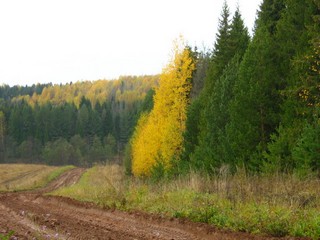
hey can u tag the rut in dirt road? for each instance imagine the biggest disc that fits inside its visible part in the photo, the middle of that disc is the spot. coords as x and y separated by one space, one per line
22 222
62 218
33 215
66 179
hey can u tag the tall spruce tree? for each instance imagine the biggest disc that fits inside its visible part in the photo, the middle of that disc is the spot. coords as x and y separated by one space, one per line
196 121
255 111
221 52
239 36
214 116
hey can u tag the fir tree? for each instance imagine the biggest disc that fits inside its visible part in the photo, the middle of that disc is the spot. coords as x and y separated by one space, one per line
214 113
255 109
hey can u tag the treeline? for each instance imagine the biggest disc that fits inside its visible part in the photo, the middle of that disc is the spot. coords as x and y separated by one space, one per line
259 107
7 92
53 127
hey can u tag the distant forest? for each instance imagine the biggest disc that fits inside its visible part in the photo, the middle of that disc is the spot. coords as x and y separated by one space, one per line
77 123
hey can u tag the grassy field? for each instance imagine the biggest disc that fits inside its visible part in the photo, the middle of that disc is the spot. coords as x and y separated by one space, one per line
277 205
17 177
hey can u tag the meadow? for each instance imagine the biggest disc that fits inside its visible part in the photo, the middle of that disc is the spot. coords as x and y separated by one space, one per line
276 205
18 177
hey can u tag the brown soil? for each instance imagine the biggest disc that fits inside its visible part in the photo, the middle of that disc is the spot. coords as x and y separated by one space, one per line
34 216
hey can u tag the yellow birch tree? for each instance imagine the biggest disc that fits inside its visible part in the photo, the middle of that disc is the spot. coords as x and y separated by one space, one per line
158 136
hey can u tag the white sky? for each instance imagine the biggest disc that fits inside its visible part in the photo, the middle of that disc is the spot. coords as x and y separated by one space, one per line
69 40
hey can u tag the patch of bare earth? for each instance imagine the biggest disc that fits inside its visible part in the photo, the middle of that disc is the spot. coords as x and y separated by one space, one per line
35 216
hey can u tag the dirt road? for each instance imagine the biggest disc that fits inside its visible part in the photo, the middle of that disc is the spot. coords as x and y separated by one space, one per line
35 216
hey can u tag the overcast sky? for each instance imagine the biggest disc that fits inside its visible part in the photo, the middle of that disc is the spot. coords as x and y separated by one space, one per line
70 40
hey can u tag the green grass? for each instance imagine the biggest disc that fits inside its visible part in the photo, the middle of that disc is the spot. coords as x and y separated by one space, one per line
279 205
56 173
6 236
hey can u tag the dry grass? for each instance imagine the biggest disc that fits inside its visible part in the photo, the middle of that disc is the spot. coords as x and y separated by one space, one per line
16 177
280 189
284 190
100 184
276 205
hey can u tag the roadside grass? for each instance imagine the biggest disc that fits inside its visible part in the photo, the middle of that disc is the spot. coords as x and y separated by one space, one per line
18 177
275 205
103 185
6 236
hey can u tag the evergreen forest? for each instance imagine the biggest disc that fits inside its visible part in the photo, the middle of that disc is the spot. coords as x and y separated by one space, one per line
78 123
250 103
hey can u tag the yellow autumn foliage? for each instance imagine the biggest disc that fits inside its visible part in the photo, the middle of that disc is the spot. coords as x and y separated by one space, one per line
158 136
126 89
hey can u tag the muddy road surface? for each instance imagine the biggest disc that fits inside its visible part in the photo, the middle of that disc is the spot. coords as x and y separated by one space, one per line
31 215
